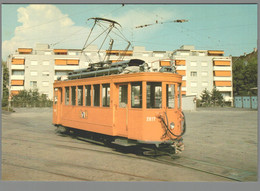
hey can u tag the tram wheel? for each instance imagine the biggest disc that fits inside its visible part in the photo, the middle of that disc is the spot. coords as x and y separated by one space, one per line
62 129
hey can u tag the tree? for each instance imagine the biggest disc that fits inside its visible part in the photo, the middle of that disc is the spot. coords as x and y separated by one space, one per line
245 74
205 98
216 97
5 84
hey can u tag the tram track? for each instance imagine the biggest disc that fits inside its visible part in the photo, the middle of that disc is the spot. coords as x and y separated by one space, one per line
61 168
231 174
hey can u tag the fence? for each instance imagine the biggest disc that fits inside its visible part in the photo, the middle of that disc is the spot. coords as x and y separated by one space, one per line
249 102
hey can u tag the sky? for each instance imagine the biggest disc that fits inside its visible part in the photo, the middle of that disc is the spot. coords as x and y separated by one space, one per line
228 27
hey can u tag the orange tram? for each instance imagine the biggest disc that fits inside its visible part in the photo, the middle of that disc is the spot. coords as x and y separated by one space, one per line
137 107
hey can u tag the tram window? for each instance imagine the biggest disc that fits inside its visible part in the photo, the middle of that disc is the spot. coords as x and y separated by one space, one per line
179 95
123 96
88 95
136 95
80 95
154 95
55 95
96 96
73 95
67 97
106 95
170 93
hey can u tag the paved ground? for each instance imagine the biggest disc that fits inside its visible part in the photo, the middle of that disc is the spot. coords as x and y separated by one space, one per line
31 150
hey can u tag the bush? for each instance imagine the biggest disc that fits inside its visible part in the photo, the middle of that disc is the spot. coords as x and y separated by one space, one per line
31 98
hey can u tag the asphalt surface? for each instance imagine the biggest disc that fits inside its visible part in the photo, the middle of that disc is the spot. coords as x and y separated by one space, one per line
220 145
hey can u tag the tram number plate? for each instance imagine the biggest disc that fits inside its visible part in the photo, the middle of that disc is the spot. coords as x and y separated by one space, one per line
84 114
150 119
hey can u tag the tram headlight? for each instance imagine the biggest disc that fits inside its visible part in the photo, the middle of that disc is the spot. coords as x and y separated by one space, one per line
172 125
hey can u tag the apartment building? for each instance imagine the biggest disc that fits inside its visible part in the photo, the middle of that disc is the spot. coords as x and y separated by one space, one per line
38 67
204 69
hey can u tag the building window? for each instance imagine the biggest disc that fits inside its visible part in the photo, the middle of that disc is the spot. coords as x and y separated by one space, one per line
170 93
46 63
96 95
34 62
18 72
47 53
67 95
136 95
204 64
45 83
204 73
106 95
123 96
62 72
33 84
205 84
73 95
88 95
34 73
60 51
80 95
72 53
193 84
45 73
193 63
193 73
154 95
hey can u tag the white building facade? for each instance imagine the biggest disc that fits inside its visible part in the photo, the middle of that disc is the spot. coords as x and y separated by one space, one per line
39 67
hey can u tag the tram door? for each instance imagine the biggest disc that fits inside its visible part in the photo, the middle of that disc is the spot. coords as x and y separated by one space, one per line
121 117
57 104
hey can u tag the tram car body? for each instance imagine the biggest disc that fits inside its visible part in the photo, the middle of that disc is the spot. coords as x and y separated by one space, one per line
132 108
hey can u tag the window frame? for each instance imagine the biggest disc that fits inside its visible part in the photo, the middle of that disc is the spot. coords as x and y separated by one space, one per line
94 95
107 97
88 95
123 97
140 84
174 95
153 85
73 97
78 95
67 95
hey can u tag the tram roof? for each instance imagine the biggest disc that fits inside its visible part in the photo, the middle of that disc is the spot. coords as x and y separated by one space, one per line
125 78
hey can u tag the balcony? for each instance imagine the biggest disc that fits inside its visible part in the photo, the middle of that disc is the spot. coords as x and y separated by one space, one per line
17 88
222 78
18 67
17 77
222 68
224 88
181 67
